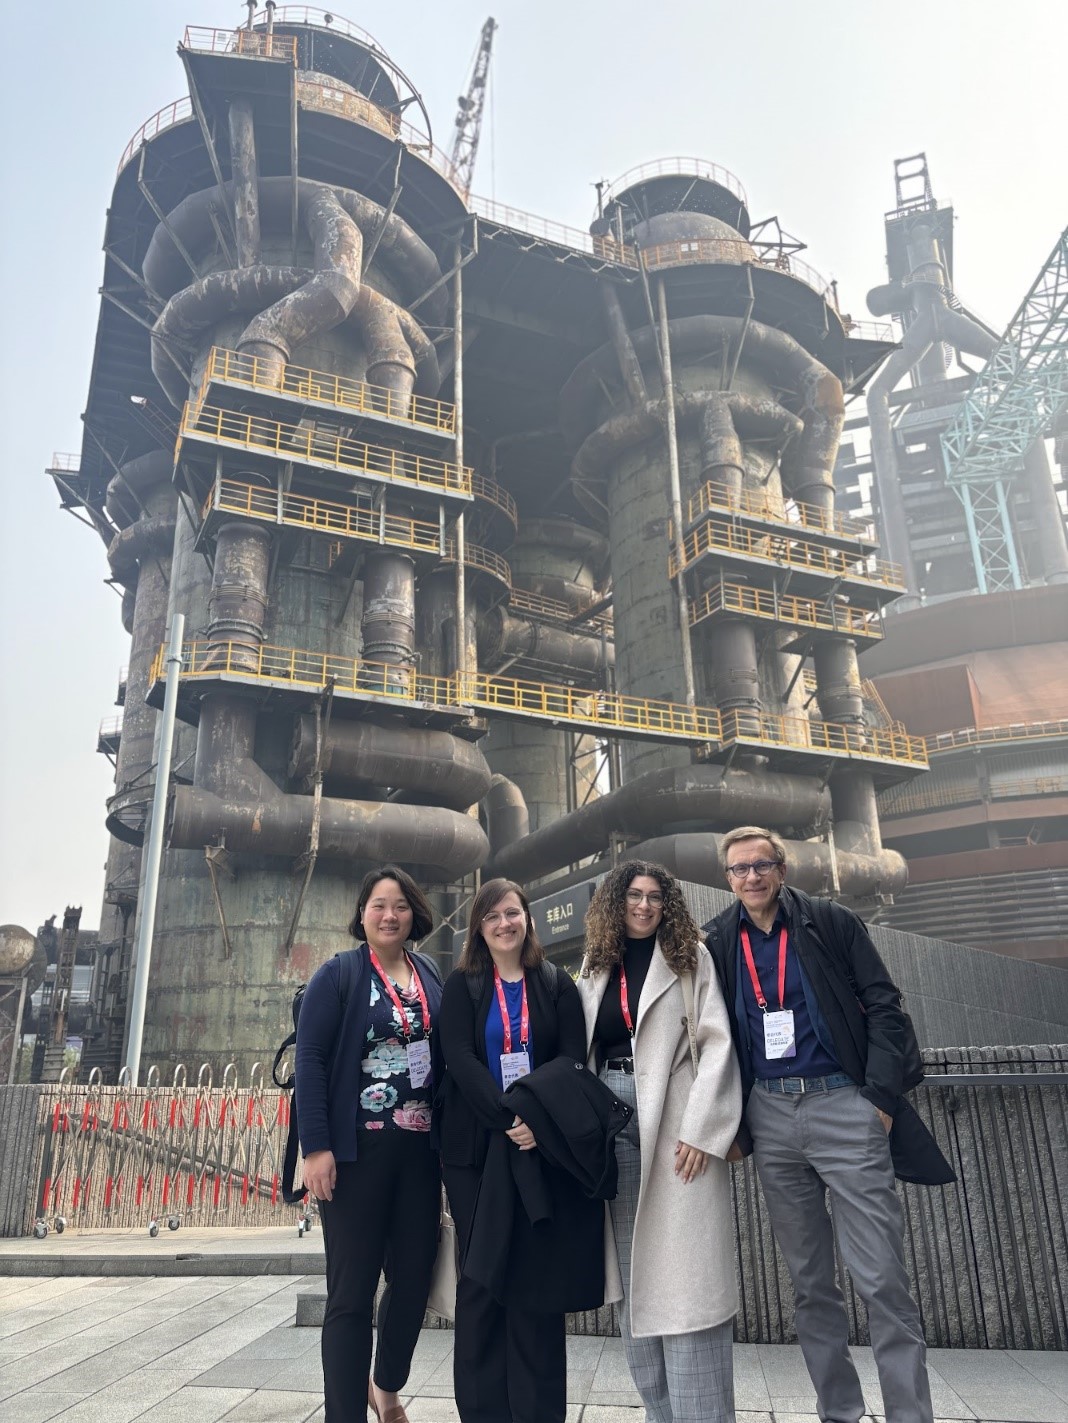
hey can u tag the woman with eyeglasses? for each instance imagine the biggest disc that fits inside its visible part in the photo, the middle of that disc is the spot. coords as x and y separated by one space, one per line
363 1097
505 1011
658 1033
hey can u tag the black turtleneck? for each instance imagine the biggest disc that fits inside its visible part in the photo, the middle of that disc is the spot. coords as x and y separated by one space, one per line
610 1035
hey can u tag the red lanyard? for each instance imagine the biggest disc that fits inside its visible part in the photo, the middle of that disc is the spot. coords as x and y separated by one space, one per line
762 1002
388 985
524 1015
624 1001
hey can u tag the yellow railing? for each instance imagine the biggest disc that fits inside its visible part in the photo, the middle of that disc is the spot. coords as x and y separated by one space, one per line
834 737
801 612
254 373
322 448
555 610
713 498
719 536
493 493
606 711
484 560
996 735
256 44
326 516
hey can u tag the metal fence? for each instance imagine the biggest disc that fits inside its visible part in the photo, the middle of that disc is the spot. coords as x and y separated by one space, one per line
988 1254
96 1157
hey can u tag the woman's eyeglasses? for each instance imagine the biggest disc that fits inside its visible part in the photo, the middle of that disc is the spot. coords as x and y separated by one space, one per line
654 900
510 916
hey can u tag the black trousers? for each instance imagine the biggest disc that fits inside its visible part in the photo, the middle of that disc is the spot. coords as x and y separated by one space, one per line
384 1217
509 1363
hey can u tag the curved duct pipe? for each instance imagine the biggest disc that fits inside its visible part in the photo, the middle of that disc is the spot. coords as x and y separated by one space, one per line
629 365
401 252
323 302
507 637
807 463
722 458
808 865
758 418
234 800
668 796
128 490
416 759
205 302
148 537
507 817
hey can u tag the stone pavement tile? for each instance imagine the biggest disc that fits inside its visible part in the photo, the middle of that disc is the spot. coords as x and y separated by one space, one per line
268 1406
433 1350
612 1386
240 1373
583 1356
38 1407
750 1386
611 1413
284 1341
195 1405
995 1386
1049 1368
438 1382
303 1375
123 1401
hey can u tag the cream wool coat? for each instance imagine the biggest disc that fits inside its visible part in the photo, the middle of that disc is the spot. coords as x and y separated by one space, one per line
682 1263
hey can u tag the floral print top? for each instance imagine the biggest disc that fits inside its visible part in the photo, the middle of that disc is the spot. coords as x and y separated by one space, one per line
388 1101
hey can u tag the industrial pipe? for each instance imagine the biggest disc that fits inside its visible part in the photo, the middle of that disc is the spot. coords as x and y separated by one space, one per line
507 817
245 183
507 637
670 796
419 760
695 857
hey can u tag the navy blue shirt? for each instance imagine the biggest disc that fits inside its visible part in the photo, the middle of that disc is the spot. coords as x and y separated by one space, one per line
513 997
815 1052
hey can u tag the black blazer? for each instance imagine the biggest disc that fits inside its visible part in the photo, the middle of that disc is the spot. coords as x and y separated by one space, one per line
468 1099
862 1010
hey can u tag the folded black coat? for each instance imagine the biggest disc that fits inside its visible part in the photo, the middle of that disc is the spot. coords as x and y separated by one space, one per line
537 1237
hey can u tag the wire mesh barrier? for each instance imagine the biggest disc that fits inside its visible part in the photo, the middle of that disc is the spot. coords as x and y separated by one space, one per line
196 1153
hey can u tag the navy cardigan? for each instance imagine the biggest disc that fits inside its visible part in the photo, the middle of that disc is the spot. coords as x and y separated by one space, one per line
330 1043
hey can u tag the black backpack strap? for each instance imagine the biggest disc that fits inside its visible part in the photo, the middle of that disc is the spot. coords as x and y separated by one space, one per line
288 1083
552 978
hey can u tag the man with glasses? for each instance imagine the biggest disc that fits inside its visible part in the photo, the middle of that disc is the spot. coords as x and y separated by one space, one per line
821 1038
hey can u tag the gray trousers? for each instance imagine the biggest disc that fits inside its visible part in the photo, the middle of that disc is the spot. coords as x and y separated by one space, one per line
682 1378
805 1146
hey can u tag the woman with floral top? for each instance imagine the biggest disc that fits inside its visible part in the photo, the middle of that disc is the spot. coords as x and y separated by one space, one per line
363 1092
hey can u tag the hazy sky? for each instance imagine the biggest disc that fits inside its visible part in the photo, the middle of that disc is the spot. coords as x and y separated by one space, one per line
807 101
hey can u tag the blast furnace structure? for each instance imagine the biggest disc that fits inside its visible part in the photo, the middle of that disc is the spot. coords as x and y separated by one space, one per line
502 547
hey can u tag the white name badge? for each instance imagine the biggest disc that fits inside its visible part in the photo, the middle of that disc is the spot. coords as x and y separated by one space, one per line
779 1035
514 1065
418 1062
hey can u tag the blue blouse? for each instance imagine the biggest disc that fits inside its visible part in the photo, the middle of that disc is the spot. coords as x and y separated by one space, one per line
513 997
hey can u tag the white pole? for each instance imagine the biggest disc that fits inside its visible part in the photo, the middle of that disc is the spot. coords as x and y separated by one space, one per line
147 918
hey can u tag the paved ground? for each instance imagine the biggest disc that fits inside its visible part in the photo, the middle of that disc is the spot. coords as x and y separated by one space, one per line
171 1348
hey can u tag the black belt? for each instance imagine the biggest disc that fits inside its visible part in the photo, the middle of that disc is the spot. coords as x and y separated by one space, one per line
620 1064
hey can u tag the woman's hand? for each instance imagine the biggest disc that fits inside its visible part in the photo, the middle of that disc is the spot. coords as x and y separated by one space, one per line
320 1174
521 1135
690 1161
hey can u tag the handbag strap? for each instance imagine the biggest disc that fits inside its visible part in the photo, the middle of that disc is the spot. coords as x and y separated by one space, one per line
686 979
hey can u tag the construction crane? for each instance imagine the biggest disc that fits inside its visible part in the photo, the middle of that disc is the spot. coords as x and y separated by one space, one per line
1017 395
469 113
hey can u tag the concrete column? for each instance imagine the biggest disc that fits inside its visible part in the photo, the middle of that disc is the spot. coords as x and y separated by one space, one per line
246 190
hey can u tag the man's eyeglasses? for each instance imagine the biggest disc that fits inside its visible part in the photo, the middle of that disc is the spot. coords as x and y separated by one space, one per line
654 900
759 867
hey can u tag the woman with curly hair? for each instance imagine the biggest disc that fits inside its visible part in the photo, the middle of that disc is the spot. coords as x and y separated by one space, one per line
657 1031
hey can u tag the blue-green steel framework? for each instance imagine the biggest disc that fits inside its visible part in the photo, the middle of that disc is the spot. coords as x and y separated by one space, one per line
1016 396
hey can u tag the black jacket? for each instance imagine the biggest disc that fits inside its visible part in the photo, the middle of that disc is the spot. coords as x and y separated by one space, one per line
862 1009
537 1238
468 1099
